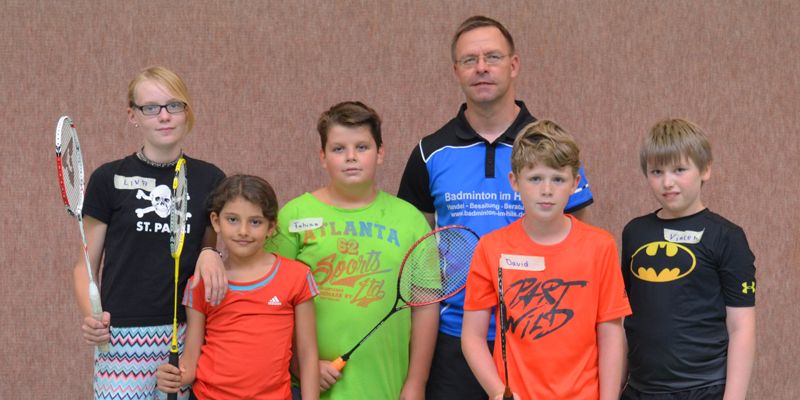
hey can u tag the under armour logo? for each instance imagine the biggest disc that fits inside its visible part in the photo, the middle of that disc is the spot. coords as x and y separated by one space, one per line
751 287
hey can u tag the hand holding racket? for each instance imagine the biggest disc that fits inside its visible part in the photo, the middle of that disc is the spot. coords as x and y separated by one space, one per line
69 162
434 268
177 232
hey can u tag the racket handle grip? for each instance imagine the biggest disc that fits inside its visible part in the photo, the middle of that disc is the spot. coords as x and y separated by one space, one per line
97 311
173 360
339 364
104 348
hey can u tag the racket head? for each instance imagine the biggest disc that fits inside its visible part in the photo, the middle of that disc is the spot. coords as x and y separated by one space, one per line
177 217
69 163
501 307
436 266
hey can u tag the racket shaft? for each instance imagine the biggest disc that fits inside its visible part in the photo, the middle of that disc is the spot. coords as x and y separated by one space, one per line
87 262
340 362
173 348
503 340
507 395
174 345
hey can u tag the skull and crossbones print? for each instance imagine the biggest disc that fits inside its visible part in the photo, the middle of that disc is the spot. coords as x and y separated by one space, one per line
160 201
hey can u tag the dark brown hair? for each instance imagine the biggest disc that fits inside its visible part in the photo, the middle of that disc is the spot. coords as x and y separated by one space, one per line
349 114
251 188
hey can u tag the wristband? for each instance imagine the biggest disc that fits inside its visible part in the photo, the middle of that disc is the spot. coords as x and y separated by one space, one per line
219 253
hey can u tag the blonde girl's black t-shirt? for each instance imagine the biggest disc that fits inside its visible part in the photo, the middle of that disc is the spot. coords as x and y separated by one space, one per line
134 200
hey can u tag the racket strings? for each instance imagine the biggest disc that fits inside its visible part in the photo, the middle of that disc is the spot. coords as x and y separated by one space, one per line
72 168
437 267
177 220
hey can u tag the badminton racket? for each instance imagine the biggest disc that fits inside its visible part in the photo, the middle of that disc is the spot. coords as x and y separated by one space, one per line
507 394
433 269
69 162
177 232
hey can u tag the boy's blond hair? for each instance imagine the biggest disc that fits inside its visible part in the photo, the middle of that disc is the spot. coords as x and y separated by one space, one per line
544 143
673 140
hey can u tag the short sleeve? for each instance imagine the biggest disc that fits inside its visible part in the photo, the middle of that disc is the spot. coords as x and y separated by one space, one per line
421 226
613 299
415 183
737 271
625 258
582 197
481 293
285 243
97 202
306 286
195 298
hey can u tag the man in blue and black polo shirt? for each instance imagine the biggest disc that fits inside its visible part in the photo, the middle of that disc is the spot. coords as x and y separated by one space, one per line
459 175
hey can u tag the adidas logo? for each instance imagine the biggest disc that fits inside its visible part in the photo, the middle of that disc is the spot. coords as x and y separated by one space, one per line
274 301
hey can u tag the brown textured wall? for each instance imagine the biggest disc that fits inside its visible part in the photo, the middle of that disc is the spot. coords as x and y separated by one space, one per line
260 73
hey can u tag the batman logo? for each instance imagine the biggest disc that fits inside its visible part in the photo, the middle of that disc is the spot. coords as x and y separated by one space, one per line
662 262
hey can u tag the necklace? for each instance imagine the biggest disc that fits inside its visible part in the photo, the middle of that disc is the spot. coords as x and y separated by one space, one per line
140 155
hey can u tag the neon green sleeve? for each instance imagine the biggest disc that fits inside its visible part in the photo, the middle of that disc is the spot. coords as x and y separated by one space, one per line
282 241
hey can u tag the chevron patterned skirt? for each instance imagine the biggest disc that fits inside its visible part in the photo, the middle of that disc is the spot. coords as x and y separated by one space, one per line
128 370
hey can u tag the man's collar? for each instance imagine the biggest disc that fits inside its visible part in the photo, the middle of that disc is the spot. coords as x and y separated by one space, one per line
467 133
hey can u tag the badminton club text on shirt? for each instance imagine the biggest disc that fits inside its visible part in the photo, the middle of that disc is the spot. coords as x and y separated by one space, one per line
534 306
160 203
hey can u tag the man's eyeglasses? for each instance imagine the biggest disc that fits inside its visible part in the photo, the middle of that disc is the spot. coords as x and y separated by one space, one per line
489 59
155 109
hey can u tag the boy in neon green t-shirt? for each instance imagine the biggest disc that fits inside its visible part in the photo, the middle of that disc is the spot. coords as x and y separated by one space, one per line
353 237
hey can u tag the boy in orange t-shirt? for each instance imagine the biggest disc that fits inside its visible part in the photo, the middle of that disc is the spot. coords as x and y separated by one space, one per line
562 286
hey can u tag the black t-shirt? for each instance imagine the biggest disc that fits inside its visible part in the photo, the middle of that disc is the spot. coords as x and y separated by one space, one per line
680 274
133 200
